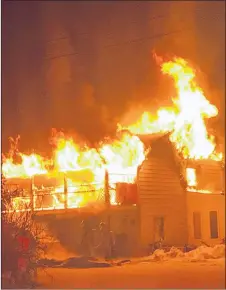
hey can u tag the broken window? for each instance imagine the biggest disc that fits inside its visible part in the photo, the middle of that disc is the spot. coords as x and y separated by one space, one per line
197 225
213 225
191 177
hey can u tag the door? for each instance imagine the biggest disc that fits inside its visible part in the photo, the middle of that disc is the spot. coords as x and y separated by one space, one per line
158 229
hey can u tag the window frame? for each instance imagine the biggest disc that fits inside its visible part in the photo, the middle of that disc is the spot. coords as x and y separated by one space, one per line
217 224
193 223
158 217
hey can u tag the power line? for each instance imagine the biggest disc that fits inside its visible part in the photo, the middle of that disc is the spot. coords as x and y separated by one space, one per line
162 16
132 41
147 38
88 33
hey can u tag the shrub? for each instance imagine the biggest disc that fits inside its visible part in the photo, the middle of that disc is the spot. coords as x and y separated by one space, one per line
22 242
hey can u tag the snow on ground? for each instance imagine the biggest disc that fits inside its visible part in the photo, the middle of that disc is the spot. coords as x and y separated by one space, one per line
200 254
203 268
158 275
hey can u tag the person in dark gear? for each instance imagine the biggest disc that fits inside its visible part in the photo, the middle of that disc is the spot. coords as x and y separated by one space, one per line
86 240
107 241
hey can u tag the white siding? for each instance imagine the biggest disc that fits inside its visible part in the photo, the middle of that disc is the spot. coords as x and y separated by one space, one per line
210 175
161 195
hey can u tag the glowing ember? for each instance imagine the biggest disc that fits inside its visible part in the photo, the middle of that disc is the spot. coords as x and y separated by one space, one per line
205 191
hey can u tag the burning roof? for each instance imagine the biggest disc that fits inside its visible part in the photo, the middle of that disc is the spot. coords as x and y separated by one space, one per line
185 123
186 120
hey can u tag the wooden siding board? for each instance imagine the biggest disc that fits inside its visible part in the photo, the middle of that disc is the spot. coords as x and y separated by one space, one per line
161 194
173 209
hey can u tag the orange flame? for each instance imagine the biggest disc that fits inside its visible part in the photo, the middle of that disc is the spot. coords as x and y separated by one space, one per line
121 157
186 120
84 169
124 155
31 165
191 177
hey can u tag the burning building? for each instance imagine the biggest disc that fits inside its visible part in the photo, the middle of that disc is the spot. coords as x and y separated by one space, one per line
180 201
161 178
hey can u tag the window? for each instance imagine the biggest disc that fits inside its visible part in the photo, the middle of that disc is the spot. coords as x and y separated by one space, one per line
197 225
191 177
158 228
213 225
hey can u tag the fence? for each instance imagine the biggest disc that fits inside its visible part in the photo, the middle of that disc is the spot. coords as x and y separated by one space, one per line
66 196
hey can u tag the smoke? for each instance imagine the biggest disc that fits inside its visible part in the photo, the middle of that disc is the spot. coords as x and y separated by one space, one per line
88 70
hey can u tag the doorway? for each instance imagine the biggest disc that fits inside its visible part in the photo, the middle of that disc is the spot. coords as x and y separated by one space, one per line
159 225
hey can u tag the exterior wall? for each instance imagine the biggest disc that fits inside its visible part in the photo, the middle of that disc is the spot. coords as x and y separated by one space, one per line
125 224
204 203
172 209
210 175
161 195
65 226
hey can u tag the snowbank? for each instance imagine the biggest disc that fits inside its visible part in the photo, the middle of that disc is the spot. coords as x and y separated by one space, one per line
201 253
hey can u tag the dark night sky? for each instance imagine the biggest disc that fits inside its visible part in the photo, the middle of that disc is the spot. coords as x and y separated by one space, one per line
106 69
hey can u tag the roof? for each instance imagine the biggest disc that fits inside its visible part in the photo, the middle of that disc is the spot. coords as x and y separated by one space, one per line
152 138
161 141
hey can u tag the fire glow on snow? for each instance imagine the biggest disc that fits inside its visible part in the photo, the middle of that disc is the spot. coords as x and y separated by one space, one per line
199 254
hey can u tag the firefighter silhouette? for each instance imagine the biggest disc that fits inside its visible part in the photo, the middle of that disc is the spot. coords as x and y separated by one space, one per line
106 241
86 238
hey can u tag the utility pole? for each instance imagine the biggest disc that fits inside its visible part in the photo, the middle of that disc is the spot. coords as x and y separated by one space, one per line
32 193
65 192
107 198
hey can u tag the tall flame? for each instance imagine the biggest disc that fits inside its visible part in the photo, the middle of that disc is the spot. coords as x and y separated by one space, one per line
190 133
185 120
121 157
